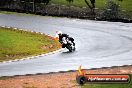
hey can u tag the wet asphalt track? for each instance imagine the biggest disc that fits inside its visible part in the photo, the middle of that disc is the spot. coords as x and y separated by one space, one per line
99 44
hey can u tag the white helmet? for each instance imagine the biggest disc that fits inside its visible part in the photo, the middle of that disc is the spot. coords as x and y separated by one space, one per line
58 32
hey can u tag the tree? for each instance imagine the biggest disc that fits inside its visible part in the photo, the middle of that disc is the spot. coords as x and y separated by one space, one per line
46 1
69 1
111 11
2 2
91 6
7 2
37 1
120 0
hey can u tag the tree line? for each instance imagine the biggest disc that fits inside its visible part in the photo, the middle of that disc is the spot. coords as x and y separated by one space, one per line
112 10
4 2
90 3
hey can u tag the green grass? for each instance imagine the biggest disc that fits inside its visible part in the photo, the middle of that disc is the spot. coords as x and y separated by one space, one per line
79 3
17 44
125 4
7 12
4 77
16 13
129 85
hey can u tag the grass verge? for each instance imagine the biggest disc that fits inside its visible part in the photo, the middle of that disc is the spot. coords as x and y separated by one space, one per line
7 12
16 44
16 13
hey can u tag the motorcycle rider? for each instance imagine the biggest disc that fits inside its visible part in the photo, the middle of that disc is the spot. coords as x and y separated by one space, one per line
62 35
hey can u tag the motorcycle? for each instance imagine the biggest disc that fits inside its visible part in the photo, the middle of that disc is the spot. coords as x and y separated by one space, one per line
66 43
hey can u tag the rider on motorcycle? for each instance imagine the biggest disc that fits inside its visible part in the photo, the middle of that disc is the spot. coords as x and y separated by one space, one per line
61 36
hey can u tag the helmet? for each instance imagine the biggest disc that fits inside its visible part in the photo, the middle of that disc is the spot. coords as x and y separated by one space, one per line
59 32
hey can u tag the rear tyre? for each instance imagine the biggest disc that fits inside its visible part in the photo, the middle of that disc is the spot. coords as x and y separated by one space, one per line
74 49
69 48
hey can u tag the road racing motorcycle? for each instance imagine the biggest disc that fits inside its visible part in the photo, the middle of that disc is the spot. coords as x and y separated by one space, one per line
67 43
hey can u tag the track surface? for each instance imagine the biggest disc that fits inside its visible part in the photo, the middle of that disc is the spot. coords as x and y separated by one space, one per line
99 44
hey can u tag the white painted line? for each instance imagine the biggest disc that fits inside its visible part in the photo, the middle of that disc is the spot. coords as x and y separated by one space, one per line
3 26
15 28
32 31
20 29
8 27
